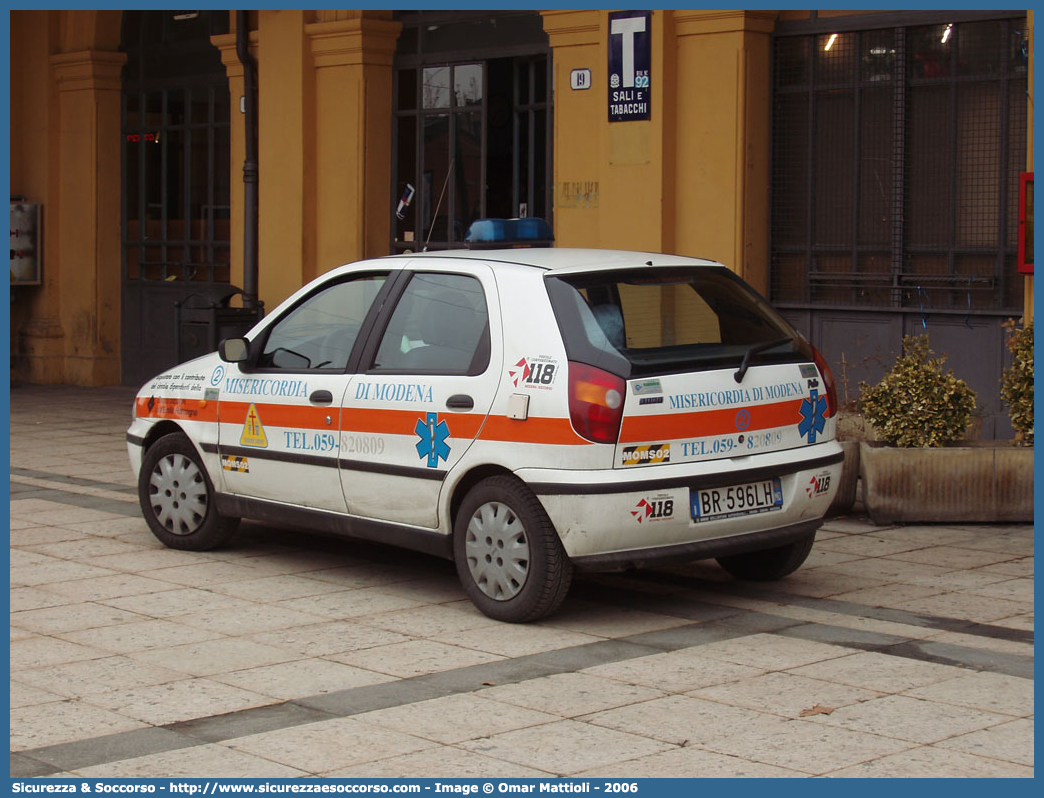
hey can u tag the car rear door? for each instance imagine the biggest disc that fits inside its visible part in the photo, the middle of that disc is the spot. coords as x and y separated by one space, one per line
427 381
711 371
704 415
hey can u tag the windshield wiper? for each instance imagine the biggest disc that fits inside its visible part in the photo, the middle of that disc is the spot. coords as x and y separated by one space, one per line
755 349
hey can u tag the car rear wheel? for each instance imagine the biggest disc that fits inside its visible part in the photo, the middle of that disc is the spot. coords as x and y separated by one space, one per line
769 564
508 555
177 497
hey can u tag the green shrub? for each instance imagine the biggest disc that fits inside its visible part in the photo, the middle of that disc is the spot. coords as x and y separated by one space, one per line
916 403
1017 381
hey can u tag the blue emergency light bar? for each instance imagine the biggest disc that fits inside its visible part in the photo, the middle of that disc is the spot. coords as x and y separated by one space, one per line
508 233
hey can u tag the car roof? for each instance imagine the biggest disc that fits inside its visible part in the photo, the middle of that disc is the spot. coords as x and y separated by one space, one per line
565 259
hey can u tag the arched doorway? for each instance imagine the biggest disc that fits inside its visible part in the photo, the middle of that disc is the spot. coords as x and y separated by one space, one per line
175 179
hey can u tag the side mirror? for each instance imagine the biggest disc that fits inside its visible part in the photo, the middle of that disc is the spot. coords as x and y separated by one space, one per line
234 350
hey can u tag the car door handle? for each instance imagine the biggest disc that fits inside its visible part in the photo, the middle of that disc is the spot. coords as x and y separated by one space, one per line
321 398
460 401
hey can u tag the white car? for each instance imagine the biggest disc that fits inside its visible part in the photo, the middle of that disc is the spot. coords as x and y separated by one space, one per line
525 412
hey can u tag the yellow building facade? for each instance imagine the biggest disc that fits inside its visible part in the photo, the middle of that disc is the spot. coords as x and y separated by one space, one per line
700 176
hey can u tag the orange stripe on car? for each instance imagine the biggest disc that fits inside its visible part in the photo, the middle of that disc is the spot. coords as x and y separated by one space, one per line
178 409
273 415
402 422
671 426
555 431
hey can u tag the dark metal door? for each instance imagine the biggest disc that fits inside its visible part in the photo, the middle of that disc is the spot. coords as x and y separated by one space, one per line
176 182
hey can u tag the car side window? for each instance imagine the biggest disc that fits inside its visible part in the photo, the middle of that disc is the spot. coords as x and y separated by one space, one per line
320 332
440 326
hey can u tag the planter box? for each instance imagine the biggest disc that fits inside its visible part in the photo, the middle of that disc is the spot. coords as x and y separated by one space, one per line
984 483
846 490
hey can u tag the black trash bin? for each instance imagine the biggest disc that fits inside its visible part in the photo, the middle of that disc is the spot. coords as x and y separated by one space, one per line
205 318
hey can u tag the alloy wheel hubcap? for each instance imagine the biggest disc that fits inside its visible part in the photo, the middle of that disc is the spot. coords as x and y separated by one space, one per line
497 551
178 494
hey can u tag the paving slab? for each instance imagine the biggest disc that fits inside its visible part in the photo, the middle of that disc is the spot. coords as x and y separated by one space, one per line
85 677
329 745
880 672
24 695
445 761
191 762
138 637
455 718
327 638
923 721
569 695
928 762
991 692
811 748
301 678
175 602
677 671
690 763
785 694
63 722
71 617
1010 742
414 658
174 701
39 652
681 720
515 640
566 747
953 557
772 652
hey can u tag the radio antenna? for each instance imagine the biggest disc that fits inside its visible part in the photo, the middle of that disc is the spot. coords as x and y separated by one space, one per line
438 205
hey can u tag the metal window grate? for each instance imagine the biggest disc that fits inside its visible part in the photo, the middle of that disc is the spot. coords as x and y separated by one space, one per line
896 155
175 150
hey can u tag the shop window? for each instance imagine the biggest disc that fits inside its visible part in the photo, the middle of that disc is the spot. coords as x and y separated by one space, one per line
472 124
176 148
896 162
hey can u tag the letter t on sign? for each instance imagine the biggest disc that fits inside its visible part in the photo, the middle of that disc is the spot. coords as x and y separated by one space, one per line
627 27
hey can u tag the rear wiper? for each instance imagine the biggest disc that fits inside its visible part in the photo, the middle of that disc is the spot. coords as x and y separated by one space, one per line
755 350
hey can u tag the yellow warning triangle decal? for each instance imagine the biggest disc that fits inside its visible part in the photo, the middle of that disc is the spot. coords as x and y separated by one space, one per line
253 432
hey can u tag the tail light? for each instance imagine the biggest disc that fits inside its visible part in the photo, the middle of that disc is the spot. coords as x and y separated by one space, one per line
828 381
596 400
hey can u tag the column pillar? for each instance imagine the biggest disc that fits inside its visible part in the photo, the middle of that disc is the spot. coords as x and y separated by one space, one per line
353 92
226 44
723 138
87 219
577 42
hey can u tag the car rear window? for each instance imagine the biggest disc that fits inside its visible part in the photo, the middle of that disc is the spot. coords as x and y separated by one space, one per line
660 320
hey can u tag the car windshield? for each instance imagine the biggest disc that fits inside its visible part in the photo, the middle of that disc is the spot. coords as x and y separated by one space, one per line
658 320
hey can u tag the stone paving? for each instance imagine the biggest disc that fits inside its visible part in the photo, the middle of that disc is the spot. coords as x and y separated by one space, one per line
896 651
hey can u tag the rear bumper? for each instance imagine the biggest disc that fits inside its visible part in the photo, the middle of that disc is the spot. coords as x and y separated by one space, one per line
697 550
617 518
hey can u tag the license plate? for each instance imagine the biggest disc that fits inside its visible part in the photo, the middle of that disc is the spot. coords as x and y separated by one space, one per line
736 500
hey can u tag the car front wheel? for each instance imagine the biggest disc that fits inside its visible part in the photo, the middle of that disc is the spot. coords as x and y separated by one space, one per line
177 497
768 565
508 555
